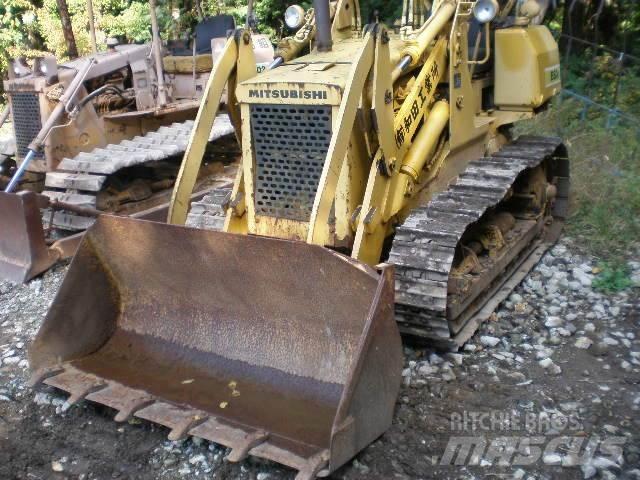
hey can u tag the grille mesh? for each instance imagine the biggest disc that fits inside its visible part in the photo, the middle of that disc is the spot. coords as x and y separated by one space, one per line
25 110
290 144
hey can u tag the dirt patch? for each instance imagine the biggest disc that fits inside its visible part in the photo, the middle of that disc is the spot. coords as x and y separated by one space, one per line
558 361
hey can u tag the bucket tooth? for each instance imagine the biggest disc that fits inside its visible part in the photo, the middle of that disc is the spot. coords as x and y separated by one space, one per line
314 465
80 395
179 420
251 440
308 461
77 383
40 375
217 431
124 399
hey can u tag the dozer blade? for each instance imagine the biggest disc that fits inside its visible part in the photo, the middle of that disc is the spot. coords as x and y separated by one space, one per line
23 251
277 349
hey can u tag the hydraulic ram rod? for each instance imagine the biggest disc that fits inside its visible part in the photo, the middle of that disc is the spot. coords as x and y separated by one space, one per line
37 142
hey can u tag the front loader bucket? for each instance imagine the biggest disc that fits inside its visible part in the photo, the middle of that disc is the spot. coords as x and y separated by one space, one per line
23 251
274 348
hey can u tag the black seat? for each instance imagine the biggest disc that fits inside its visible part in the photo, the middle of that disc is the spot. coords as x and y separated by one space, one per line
179 48
212 27
209 28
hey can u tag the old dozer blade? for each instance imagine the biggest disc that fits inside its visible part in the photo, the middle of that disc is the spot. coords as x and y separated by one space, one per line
23 251
277 349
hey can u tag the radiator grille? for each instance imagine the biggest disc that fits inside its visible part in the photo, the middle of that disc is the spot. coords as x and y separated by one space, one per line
290 144
25 110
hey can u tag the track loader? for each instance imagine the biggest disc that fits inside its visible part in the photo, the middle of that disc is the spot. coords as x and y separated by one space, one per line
102 133
380 187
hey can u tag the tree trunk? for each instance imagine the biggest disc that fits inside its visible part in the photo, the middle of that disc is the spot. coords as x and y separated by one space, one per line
65 19
199 10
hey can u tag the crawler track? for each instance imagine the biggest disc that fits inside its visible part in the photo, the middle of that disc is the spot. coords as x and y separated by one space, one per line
79 180
208 213
424 247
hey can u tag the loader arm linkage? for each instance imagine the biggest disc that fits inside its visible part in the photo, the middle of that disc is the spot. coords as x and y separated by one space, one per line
389 176
235 64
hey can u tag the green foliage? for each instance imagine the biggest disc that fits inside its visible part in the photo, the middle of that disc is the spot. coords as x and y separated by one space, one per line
17 30
387 11
270 15
607 213
613 277
605 80
29 30
131 22
48 22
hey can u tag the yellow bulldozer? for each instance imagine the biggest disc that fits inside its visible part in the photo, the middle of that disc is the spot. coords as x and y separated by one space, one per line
380 191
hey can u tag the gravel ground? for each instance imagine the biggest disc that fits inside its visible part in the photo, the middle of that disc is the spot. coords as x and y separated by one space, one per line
548 389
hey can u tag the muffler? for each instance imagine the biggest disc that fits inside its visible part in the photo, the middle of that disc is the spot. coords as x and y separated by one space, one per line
274 348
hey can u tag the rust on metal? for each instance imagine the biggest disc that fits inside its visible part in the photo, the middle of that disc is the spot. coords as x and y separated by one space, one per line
23 251
39 376
179 420
251 440
125 400
275 348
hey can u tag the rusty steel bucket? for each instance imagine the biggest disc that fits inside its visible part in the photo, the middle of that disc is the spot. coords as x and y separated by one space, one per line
23 250
278 349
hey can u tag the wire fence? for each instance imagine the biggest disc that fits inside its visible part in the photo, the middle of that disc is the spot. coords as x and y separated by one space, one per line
623 64
612 116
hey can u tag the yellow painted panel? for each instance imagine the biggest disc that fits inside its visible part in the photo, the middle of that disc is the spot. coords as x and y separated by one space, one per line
527 67
281 228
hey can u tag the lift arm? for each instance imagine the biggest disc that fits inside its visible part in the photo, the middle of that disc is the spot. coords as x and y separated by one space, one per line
235 64
318 226
386 187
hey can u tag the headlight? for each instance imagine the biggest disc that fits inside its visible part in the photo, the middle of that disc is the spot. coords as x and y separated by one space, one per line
19 68
294 16
45 66
485 10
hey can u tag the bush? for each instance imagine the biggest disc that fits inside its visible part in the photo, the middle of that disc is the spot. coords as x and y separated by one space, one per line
605 80
613 277
18 31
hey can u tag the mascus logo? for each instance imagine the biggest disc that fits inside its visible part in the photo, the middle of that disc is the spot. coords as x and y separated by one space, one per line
284 93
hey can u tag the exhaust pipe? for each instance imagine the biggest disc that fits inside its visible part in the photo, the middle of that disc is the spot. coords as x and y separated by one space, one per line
156 46
323 25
